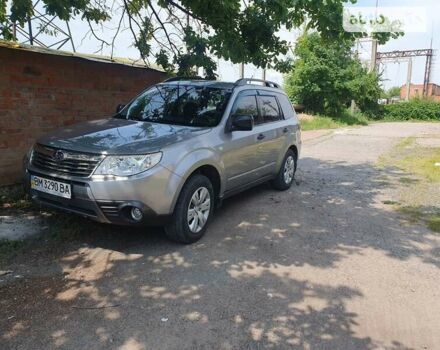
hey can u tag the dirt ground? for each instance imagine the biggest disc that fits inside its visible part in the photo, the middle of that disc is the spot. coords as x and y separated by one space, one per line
325 265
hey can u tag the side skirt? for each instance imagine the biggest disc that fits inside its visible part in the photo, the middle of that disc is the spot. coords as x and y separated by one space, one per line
239 189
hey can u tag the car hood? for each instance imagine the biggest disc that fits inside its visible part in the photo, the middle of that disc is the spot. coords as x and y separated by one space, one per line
119 136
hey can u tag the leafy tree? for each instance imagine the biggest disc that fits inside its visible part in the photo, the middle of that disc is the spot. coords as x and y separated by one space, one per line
187 33
326 77
391 92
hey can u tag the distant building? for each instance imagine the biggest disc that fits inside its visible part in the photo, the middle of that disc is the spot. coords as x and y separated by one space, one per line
416 90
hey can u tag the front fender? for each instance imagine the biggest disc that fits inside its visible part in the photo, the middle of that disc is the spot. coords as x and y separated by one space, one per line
192 161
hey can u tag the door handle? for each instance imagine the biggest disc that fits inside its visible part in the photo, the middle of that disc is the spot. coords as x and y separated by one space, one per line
260 137
285 130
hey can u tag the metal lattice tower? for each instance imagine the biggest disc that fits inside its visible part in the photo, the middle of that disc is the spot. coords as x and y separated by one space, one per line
406 55
44 30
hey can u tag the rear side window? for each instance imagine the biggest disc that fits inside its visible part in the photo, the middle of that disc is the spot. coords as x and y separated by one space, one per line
246 105
286 107
269 108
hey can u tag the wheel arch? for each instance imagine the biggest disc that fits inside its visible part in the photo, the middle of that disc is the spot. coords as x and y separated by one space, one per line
212 174
211 171
295 150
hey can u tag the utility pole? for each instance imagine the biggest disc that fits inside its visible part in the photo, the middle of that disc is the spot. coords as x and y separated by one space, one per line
427 73
374 47
14 31
241 70
373 54
263 76
408 79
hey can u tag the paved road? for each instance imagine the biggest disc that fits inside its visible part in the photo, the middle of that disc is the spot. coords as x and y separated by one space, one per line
323 266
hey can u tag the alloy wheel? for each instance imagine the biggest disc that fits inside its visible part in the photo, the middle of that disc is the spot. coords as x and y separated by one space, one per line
289 169
198 209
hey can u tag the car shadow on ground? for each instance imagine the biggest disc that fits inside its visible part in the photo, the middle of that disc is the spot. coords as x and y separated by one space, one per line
240 287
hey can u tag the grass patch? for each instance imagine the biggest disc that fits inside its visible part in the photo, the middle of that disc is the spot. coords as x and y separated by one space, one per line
420 175
413 213
408 181
405 143
433 223
388 202
320 123
413 159
325 122
419 214
422 162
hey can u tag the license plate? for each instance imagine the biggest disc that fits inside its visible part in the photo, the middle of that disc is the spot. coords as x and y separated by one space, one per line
50 186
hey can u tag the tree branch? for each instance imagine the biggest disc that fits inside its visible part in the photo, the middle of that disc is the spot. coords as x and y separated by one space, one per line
96 37
172 45
130 19
181 8
117 31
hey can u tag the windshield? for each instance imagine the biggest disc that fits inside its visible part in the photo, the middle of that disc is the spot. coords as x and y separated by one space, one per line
187 105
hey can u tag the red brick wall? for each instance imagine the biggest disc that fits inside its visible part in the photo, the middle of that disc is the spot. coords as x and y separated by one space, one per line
40 92
416 90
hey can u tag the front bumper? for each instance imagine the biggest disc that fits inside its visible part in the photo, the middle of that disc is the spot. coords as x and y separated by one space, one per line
110 201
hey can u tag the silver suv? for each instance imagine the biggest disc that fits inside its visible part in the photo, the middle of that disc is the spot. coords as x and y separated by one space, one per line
170 156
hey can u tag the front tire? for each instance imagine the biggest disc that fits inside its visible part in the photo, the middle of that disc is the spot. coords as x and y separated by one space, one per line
193 210
286 175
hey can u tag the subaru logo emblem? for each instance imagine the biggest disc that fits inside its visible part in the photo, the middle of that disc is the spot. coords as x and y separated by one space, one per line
58 155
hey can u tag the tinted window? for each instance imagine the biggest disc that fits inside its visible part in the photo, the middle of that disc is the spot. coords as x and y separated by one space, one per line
246 105
286 107
179 104
268 108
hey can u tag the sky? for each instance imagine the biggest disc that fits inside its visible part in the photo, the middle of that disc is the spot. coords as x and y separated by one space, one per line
393 73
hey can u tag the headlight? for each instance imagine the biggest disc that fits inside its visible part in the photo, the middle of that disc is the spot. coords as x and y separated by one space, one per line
127 165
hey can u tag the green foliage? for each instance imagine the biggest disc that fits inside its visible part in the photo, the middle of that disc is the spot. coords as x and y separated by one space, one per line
391 92
325 77
434 223
343 119
195 56
143 41
319 122
417 109
242 32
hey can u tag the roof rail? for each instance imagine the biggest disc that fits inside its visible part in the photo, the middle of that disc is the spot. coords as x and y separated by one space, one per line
183 78
267 83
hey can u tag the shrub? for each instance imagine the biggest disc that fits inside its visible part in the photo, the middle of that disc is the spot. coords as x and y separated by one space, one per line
419 109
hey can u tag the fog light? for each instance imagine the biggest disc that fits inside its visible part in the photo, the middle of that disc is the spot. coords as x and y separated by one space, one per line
136 214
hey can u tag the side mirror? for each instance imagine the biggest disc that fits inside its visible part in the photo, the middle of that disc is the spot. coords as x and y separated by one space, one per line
119 108
242 122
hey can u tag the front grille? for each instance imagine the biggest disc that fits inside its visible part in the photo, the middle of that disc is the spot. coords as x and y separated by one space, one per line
71 163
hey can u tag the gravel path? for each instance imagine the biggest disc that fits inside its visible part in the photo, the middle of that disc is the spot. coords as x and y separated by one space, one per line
325 265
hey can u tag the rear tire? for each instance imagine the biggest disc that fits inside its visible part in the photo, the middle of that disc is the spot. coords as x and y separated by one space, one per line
193 210
286 175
